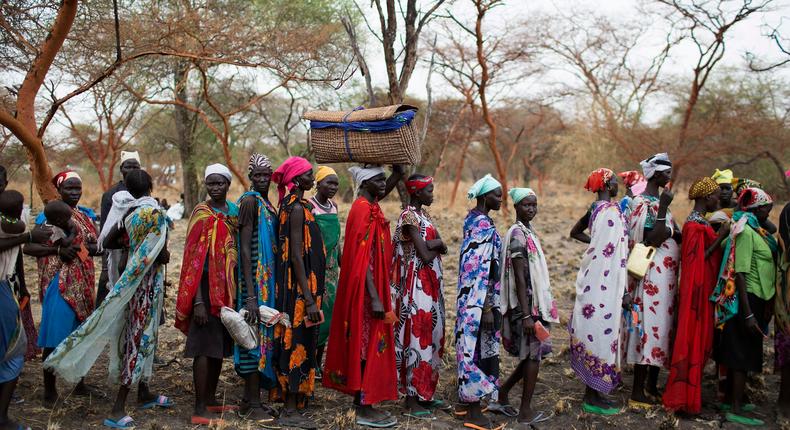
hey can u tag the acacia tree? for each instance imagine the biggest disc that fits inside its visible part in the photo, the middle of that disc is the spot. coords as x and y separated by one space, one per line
111 129
706 23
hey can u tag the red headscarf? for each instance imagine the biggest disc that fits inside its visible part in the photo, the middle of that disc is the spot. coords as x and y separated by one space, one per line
598 179
63 176
414 185
631 177
285 174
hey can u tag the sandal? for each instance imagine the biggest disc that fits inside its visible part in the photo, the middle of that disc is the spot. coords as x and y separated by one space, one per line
203 421
247 413
219 409
436 404
420 415
296 420
640 405
386 422
726 407
597 410
504 409
539 417
161 401
740 419
125 422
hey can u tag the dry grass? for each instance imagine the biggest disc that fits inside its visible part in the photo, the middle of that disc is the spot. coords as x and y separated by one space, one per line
558 390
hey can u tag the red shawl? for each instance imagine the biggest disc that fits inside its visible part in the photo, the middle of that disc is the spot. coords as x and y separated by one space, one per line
209 234
77 278
367 233
694 337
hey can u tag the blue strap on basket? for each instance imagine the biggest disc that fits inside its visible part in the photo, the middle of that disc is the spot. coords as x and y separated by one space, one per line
345 132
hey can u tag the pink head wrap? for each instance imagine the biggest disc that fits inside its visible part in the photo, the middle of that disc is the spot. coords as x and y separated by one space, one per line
285 174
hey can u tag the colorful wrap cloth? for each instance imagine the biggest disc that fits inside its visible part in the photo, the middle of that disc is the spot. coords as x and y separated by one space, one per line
285 174
598 179
703 187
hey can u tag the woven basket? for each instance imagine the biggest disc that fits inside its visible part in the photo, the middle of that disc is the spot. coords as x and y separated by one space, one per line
333 145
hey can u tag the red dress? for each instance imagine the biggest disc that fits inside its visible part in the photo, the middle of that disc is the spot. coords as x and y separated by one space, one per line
367 245
694 336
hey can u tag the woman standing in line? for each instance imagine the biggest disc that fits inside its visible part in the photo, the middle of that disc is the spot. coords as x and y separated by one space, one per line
300 286
745 288
596 321
700 259
207 283
418 289
67 278
360 356
527 304
479 316
652 299
128 318
325 213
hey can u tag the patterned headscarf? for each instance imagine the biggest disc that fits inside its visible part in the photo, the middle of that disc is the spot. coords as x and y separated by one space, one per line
657 163
703 187
598 179
744 183
258 160
751 198
723 176
519 194
482 186
631 177
63 176
414 185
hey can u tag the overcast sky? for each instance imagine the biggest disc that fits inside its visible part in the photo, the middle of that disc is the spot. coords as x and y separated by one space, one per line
746 36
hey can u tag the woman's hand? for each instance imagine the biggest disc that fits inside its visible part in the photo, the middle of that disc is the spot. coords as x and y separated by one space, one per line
666 198
163 257
376 308
529 326
251 306
40 234
753 327
487 321
68 253
199 314
313 313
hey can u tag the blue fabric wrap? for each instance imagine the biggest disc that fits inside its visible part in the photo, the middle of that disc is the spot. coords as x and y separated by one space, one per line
396 122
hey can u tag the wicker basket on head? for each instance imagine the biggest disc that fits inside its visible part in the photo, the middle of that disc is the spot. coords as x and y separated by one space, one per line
339 145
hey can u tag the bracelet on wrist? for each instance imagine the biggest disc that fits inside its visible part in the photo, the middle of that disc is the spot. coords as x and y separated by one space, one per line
749 316
197 303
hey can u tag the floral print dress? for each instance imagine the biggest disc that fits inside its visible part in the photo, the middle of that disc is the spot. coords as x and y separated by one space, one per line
648 341
477 350
597 314
417 288
295 346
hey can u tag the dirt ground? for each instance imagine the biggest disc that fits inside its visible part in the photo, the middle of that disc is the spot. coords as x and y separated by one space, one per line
558 390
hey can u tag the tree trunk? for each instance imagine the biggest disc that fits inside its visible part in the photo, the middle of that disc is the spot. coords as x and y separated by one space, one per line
26 129
189 176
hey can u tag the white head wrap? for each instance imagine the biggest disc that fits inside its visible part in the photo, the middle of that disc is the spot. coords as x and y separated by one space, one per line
362 174
218 169
657 163
130 155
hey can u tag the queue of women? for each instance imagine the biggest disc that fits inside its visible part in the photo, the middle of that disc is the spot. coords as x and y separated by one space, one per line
368 318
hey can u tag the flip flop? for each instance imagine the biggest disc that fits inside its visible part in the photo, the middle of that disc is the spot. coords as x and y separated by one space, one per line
640 405
420 415
726 407
246 415
740 419
436 404
297 421
124 423
539 418
477 427
203 421
161 401
597 410
385 422
218 409
506 410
